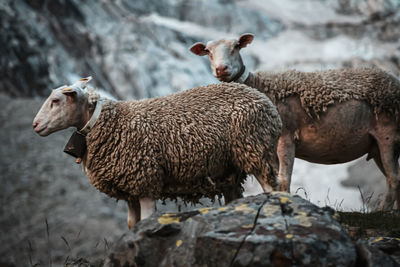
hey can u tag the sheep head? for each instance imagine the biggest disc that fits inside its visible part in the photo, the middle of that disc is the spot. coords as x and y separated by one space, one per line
225 60
67 106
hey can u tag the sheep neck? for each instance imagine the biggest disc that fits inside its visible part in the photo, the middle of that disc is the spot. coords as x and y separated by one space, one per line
258 83
91 122
242 75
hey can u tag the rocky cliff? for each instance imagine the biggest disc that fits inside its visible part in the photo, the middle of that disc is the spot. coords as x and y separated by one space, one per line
138 48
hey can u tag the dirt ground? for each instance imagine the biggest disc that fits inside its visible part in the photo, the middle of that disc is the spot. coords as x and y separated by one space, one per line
49 211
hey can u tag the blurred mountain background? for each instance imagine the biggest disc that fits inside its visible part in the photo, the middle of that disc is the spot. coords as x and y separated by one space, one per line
138 49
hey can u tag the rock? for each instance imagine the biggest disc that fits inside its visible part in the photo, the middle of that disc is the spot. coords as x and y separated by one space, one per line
23 63
134 49
78 263
370 256
365 7
275 229
388 245
138 49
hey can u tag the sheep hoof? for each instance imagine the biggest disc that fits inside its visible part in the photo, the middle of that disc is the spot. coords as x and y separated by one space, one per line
78 160
131 223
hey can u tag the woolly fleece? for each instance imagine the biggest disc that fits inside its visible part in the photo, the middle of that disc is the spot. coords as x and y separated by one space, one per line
317 90
184 145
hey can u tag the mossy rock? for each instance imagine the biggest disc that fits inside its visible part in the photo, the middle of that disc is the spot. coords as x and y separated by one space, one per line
276 229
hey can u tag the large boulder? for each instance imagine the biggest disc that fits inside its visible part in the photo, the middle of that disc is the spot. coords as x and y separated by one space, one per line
276 229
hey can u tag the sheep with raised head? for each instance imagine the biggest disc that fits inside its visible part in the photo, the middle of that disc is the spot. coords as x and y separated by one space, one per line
328 117
197 143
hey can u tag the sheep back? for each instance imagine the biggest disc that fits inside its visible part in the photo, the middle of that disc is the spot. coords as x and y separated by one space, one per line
317 90
182 145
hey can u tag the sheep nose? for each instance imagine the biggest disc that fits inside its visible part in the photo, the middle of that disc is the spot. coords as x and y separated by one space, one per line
34 124
221 69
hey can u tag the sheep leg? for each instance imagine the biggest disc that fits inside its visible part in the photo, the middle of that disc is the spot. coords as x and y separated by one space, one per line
378 162
266 176
133 212
377 159
286 155
147 207
232 194
264 185
389 161
266 173
235 191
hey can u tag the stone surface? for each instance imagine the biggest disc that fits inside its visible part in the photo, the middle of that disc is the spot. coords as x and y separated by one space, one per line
275 229
132 48
138 49
370 256
388 245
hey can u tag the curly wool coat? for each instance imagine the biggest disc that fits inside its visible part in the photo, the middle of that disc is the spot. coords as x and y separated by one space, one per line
317 90
183 145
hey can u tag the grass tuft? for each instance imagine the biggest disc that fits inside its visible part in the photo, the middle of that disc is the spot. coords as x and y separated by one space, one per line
371 224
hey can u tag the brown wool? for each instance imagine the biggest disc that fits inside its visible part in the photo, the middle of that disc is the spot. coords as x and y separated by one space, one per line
184 145
317 90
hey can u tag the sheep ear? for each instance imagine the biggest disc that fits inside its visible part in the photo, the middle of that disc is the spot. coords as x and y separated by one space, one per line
82 82
245 39
69 91
199 49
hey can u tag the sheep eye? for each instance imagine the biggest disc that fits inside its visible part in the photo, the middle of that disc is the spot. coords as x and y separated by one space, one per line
54 101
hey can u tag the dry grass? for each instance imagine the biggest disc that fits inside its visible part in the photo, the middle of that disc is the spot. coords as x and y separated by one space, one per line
371 224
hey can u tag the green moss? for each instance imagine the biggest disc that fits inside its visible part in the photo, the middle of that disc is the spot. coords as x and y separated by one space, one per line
379 223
